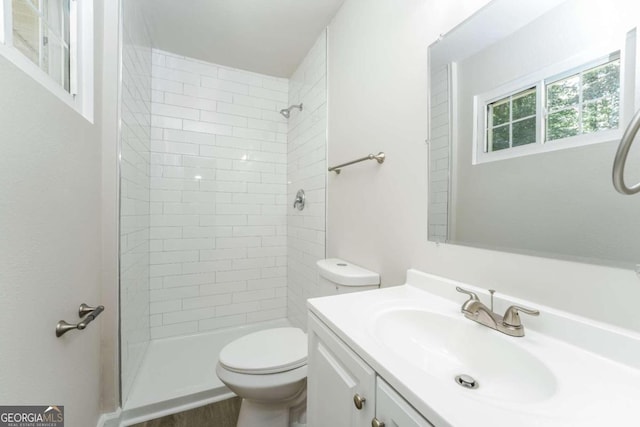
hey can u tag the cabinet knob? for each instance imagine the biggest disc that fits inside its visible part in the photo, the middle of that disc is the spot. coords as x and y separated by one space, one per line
376 423
358 401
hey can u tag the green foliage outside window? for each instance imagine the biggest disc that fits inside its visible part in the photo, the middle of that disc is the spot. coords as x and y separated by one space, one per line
584 103
512 121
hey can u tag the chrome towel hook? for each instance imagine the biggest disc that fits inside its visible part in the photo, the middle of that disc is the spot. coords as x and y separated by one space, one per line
621 157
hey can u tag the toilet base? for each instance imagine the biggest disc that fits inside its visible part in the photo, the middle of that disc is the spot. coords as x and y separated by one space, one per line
285 414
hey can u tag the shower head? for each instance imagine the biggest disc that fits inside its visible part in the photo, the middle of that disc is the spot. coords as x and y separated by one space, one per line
286 112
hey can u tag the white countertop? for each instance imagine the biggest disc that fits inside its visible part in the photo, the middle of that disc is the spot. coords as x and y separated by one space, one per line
594 368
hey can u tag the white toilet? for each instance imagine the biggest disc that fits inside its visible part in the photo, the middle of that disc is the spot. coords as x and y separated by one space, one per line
268 369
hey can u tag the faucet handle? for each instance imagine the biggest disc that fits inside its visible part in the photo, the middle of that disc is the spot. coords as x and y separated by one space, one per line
512 316
472 295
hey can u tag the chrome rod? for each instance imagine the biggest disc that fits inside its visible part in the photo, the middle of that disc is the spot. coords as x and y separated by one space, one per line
378 157
91 317
621 157
91 313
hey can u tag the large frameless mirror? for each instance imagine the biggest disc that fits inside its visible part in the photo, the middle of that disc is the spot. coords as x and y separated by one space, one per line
528 101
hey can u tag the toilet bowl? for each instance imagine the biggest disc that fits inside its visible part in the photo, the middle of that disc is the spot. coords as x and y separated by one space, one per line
268 370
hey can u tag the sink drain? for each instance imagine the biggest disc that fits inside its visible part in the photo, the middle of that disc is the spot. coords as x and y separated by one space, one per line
466 381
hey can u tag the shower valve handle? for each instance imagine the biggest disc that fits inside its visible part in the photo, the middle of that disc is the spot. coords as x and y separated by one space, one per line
300 200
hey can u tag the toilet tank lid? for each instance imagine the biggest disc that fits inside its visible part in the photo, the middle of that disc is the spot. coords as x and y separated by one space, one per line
345 273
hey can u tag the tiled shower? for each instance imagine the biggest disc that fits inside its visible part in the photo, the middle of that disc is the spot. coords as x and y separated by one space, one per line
210 239
135 129
306 169
218 197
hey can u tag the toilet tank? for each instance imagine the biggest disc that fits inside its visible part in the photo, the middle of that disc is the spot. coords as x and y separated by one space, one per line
338 276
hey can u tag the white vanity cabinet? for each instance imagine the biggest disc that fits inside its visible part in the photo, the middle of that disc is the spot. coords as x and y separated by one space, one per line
340 386
342 390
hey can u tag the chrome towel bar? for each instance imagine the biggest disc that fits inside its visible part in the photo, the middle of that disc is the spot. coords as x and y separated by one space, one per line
621 157
378 157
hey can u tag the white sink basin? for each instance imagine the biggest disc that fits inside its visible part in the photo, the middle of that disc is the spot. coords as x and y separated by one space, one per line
565 371
445 346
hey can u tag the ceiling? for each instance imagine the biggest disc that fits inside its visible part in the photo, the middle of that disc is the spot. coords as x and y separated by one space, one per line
264 36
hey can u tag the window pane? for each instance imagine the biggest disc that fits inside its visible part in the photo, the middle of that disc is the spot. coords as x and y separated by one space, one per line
57 61
602 114
563 124
499 138
499 112
516 115
26 30
524 104
563 93
524 132
602 81
41 33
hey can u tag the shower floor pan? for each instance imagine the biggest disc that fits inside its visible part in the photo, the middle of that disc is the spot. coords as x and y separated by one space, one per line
178 373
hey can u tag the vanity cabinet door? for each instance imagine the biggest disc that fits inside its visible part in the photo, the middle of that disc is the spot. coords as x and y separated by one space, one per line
393 411
340 385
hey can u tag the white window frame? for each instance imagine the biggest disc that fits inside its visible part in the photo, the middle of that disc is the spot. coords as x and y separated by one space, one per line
81 95
539 80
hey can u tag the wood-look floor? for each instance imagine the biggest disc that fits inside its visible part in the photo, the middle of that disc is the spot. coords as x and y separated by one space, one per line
219 414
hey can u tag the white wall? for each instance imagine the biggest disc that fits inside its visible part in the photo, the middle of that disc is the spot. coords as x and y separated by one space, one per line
306 169
218 196
135 141
50 249
377 215
377 56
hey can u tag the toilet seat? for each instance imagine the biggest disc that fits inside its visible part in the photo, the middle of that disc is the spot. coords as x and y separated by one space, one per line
266 352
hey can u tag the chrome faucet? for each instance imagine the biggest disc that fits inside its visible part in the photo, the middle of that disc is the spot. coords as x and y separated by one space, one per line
509 324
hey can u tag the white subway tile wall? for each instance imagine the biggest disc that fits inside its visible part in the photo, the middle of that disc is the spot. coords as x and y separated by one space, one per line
218 196
439 161
134 200
307 169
